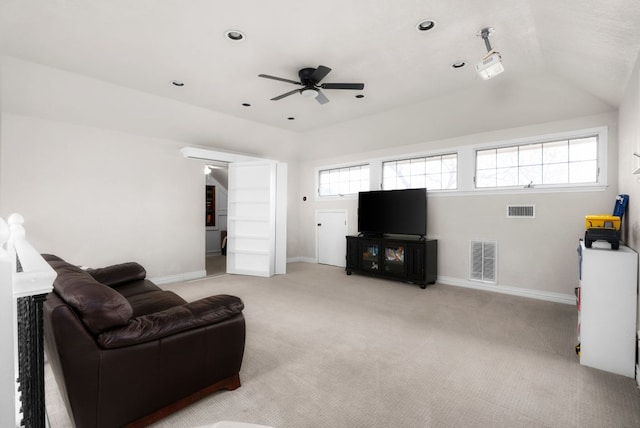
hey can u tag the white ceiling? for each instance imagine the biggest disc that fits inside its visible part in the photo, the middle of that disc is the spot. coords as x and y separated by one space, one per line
145 44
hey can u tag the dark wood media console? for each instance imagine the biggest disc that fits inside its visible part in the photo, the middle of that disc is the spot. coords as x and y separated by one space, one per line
409 260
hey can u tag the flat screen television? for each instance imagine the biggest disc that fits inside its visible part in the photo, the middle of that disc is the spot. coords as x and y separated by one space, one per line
398 212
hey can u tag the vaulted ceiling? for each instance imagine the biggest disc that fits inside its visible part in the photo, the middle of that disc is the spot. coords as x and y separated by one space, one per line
146 44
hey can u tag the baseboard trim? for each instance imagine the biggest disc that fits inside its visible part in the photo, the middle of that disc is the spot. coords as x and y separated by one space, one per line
302 259
201 274
181 277
550 296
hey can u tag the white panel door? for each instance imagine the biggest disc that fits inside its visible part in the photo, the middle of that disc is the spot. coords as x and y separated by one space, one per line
251 220
331 232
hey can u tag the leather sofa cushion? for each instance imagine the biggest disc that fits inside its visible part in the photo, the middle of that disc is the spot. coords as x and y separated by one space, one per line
207 311
154 301
132 288
118 274
99 307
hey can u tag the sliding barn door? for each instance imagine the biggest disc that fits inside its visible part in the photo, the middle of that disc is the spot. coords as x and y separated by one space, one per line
251 221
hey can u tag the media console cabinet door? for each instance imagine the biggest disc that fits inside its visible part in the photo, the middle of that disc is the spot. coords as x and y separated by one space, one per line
415 262
370 256
352 254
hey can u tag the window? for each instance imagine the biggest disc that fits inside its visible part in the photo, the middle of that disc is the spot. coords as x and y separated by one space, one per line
433 172
343 181
569 161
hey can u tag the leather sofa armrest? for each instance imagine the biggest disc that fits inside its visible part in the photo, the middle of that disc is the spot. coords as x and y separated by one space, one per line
117 274
146 328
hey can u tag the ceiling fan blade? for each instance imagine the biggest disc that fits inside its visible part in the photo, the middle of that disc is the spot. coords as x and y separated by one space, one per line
279 97
321 98
357 86
320 73
266 76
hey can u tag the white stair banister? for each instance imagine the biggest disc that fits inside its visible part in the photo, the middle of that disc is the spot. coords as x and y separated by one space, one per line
25 279
36 276
7 334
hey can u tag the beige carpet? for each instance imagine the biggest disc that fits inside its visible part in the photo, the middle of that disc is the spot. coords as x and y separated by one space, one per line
215 264
329 350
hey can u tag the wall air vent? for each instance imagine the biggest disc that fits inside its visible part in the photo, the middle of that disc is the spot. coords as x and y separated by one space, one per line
521 211
483 261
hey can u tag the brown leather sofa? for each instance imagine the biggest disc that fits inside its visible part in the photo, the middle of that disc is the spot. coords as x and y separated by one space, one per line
126 353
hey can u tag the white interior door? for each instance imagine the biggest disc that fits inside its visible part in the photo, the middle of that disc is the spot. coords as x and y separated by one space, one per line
251 220
331 231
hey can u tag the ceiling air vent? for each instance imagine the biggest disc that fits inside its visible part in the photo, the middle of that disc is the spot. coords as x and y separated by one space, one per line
521 211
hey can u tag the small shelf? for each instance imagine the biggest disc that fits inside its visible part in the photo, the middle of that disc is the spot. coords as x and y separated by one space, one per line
249 252
241 188
249 202
250 236
254 219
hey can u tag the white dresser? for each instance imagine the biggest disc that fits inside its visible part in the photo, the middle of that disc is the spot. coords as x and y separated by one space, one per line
608 300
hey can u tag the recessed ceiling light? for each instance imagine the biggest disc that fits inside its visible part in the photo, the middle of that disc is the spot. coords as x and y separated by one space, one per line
458 64
177 83
426 25
235 35
246 104
359 96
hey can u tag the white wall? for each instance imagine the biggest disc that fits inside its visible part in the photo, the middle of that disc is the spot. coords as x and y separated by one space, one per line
535 254
94 196
630 143
96 170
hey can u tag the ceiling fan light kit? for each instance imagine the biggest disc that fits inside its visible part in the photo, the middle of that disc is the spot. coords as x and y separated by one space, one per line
491 64
309 92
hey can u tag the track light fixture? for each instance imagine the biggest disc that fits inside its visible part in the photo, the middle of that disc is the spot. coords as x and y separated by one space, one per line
491 65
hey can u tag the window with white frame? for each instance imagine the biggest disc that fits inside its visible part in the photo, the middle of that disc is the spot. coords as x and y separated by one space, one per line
566 161
433 172
343 181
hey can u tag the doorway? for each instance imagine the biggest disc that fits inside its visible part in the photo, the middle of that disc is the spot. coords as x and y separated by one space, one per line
245 245
216 202
331 228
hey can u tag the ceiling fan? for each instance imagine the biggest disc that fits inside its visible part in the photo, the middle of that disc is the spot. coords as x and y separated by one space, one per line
310 80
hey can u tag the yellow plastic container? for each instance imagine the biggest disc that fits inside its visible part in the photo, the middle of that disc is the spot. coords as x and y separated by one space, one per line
602 222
